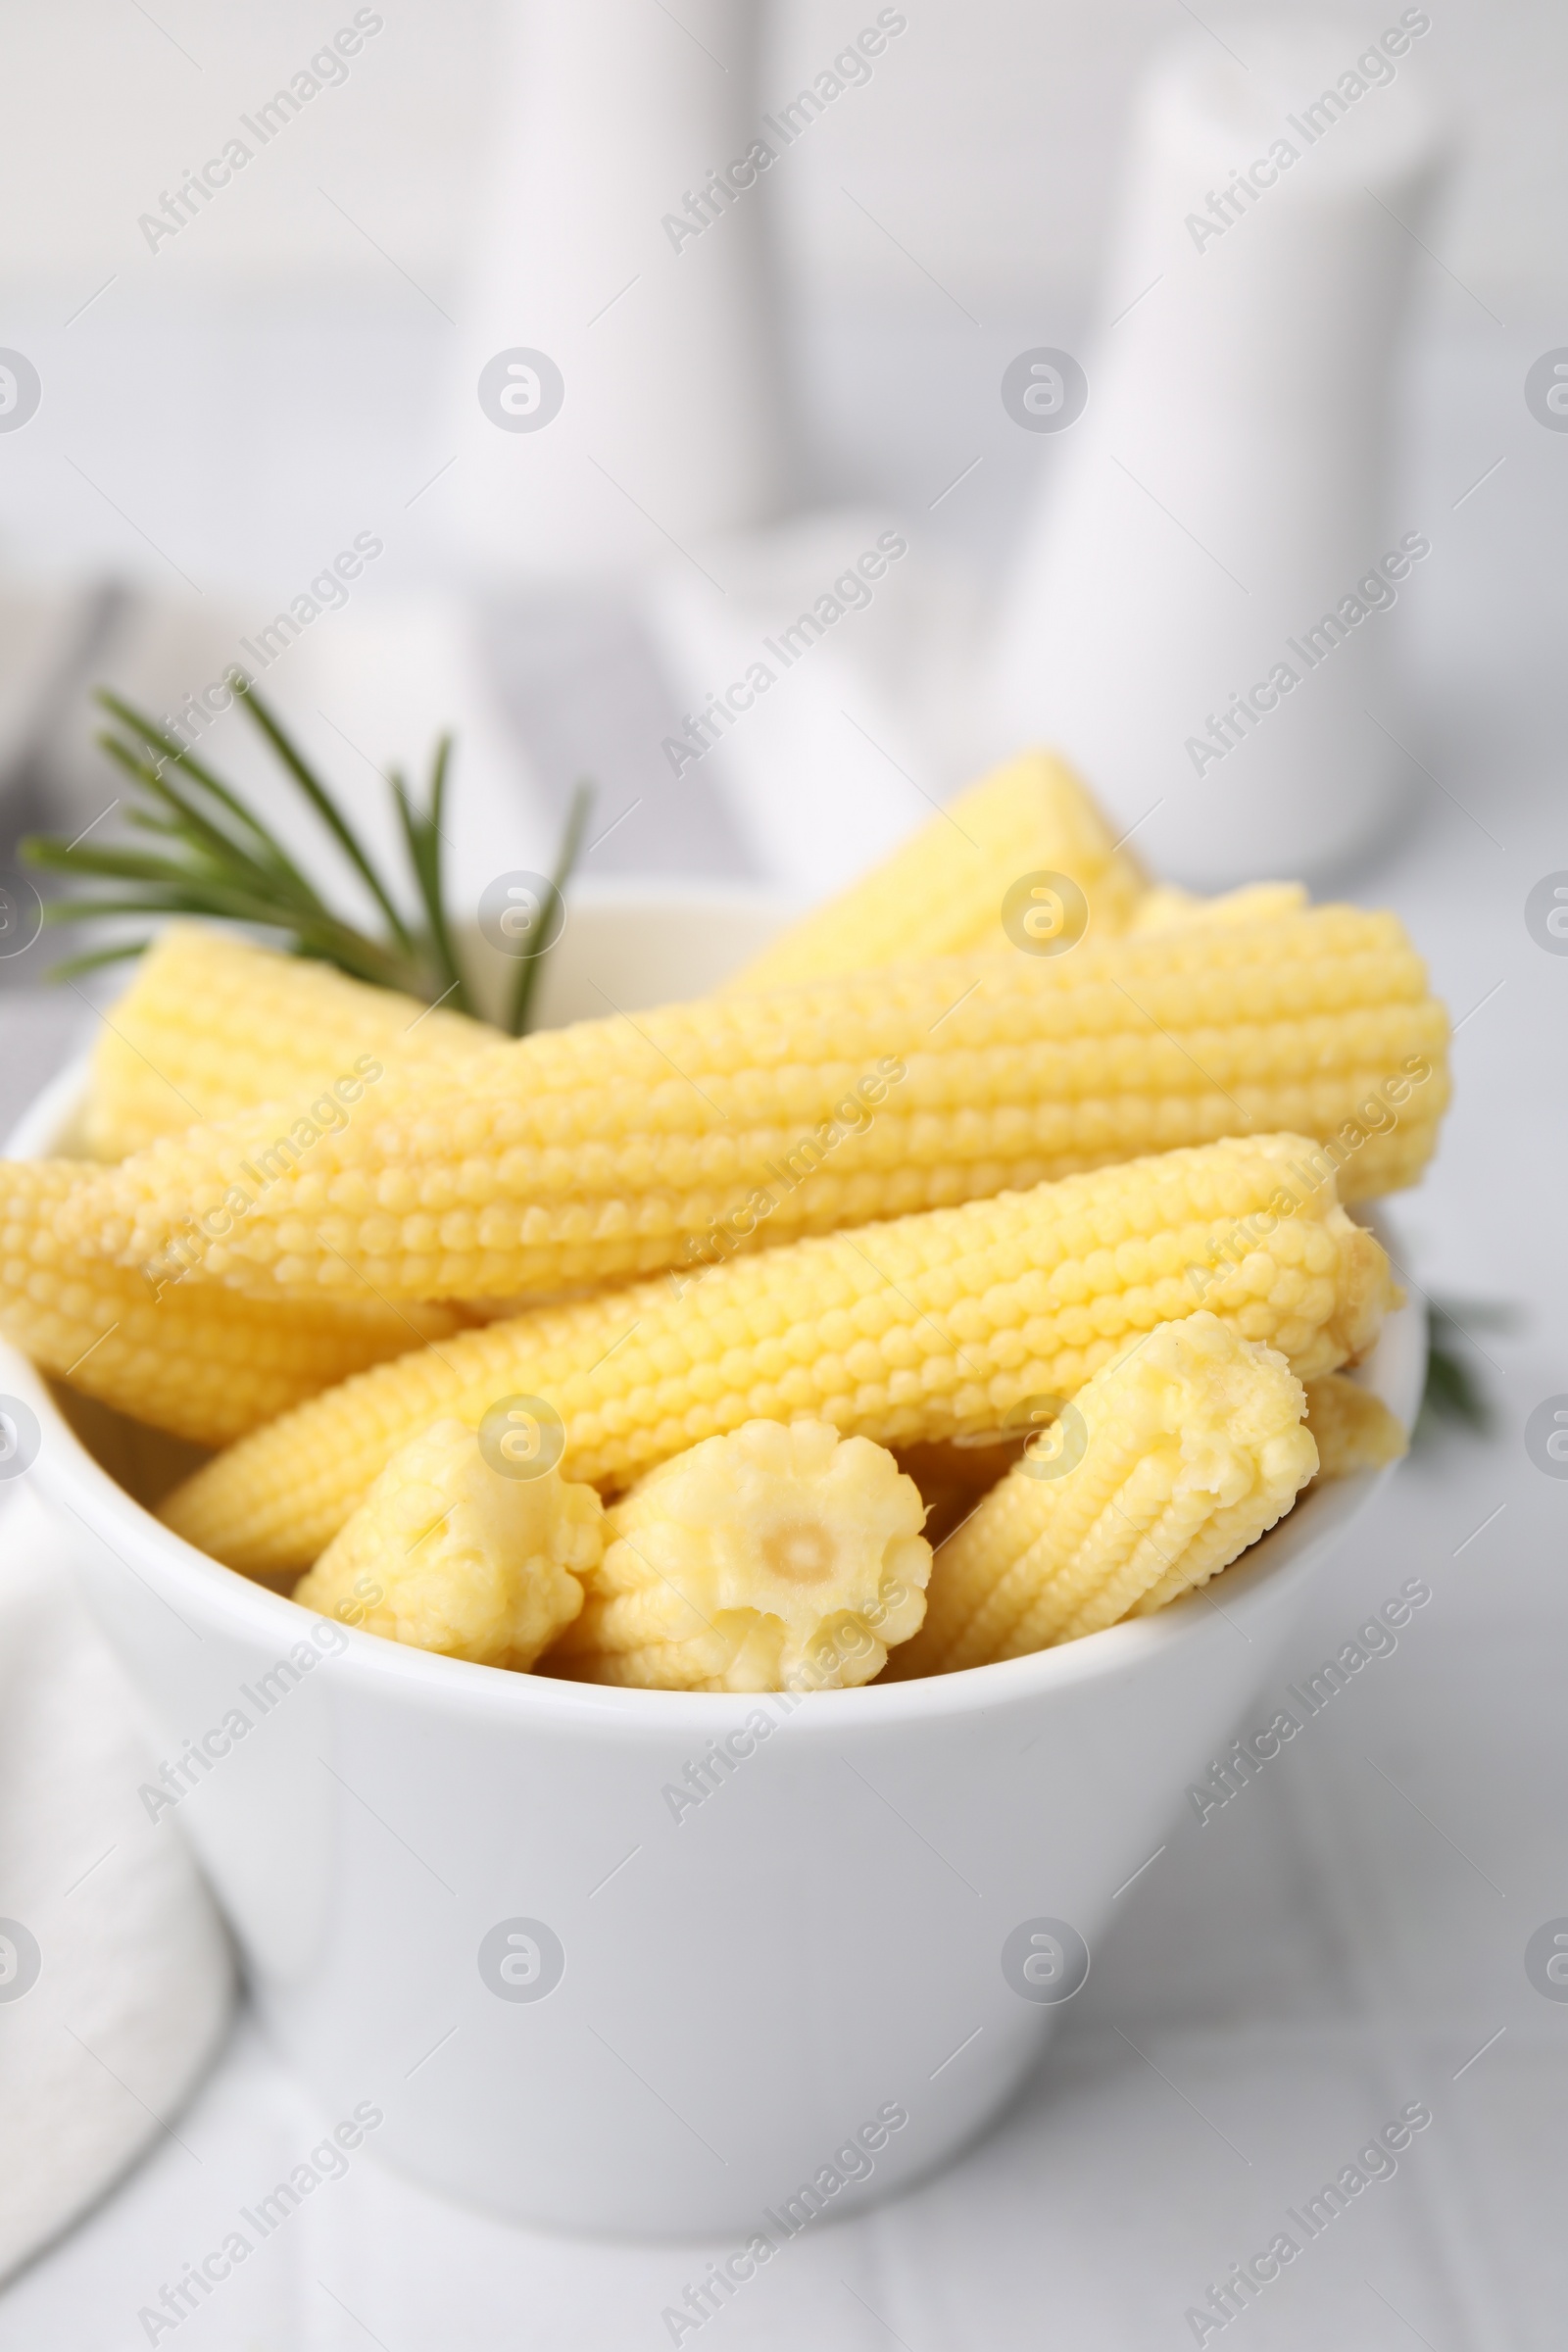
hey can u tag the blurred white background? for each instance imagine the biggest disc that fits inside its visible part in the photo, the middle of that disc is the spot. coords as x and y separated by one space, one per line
270 377
222 413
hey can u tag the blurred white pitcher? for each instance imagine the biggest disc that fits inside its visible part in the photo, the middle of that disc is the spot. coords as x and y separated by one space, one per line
616 389
1201 614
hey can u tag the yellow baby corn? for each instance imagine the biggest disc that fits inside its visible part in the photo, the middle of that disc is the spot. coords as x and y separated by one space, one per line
1354 1430
1167 909
450 1553
211 1026
203 1362
941 893
614 1147
1173 1458
774 1558
917 1329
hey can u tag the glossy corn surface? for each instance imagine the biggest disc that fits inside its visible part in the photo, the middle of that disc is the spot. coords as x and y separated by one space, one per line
211 1026
778 1558
1159 1472
447 1553
941 893
203 1362
920 1329
613 1148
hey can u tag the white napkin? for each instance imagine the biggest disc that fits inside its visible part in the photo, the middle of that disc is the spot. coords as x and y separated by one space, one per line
133 1979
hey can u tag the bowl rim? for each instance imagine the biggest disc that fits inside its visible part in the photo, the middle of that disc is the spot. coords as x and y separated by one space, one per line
70 1478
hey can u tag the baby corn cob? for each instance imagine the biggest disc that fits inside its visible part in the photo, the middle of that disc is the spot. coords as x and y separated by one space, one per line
921 1328
1354 1430
1166 909
210 1027
203 1362
448 1554
1185 1447
774 1558
611 1148
941 893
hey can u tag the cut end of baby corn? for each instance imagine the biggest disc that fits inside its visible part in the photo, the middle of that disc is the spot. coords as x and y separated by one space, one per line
923 1328
1171 1461
202 1362
1353 1429
447 1554
779 1558
211 1026
941 893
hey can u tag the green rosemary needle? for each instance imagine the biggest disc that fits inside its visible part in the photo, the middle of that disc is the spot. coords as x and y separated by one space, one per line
215 857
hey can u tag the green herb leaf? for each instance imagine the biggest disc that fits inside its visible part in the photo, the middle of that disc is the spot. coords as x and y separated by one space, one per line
222 862
423 838
1455 1394
582 800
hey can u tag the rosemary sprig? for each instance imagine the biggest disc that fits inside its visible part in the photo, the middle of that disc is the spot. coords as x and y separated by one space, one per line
327 810
423 838
216 858
582 800
1456 1393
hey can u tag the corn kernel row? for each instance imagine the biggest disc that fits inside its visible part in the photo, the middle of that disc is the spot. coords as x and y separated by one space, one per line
941 892
617 1146
210 1027
921 1328
204 1362
1172 1459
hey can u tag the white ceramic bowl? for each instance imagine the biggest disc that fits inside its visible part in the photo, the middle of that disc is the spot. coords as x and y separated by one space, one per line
745 1981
